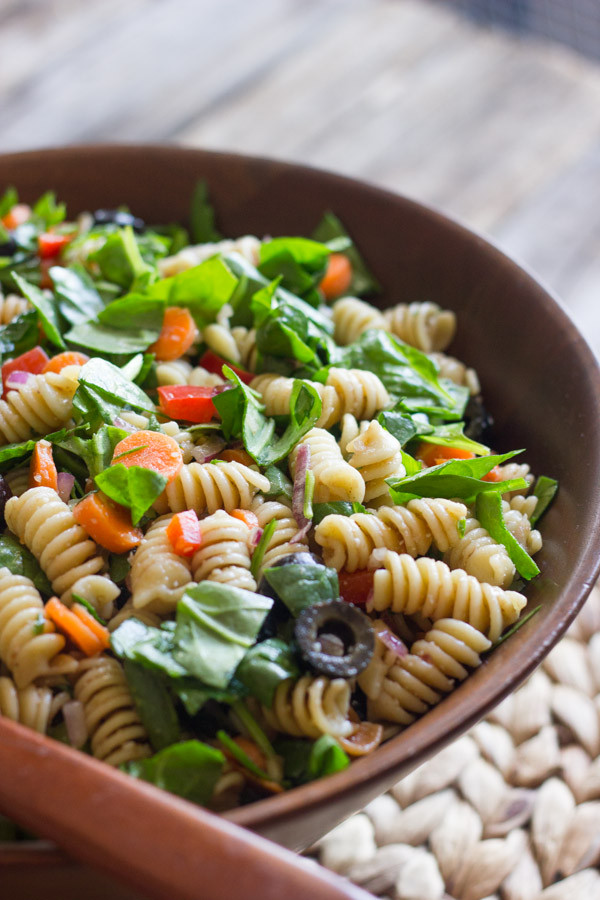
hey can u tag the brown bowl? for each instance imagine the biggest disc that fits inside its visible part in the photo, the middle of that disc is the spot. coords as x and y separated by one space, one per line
539 378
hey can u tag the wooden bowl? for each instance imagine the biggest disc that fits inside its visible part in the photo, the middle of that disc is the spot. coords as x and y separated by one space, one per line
539 379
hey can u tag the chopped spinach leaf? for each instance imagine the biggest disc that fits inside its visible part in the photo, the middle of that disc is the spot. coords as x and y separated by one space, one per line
261 547
189 769
154 704
264 666
46 310
489 512
545 490
20 561
363 281
336 507
132 486
280 484
202 216
77 298
299 585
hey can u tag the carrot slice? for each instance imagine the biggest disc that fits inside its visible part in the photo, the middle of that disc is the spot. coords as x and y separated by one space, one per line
184 533
71 626
107 523
94 626
434 454
177 334
239 456
42 471
246 516
363 740
494 474
151 450
62 360
338 276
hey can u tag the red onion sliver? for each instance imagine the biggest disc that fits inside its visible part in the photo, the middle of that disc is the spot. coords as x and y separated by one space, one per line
301 534
65 482
125 426
392 642
255 537
299 490
74 716
17 379
207 449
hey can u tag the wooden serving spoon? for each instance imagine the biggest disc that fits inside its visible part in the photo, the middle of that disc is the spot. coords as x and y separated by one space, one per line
152 841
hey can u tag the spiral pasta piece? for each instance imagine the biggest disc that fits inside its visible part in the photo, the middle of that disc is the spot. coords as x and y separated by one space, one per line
12 306
350 429
479 555
283 540
351 317
247 246
31 706
117 734
276 392
207 487
46 525
158 575
431 588
311 707
17 480
524 505
456 371
335 479
517 521
224 555
180 371
29 645
245 340
348 541
423 325
512 470
420 679
220 339
376 454
360 392
371 679
41 405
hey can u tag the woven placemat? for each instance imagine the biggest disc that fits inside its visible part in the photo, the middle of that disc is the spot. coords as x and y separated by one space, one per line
510 811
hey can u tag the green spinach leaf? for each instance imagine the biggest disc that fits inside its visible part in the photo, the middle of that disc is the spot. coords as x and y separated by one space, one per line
202 217
545 490
299 585
363 281
46 310
20 561
77 298
190 769
489 512
265 666
132 486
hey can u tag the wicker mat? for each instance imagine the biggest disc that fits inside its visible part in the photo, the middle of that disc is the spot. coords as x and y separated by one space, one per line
510 811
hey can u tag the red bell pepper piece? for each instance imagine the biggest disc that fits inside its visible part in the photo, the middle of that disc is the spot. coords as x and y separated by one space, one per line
187 402
212 362
184 533
50 245
356 586
33 361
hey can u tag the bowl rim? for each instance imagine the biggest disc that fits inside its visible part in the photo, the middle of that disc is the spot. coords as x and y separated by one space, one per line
394 755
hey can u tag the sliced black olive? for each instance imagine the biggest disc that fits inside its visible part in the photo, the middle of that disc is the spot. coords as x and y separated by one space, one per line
9 247
478 419
335 638
5 495
118 217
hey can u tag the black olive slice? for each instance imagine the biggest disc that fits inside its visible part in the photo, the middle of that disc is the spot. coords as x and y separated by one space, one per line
335 638
477 418
119 217
8 247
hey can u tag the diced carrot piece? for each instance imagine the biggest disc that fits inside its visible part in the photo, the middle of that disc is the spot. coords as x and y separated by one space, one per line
338 276
19 214
107 523
494 474
365 739
99 630
42 470
62 360
239 456
252 751
434 454
246 516
184 533
177 334
150 450
71 626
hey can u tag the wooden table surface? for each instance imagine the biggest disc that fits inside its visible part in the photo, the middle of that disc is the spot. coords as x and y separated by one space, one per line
500 131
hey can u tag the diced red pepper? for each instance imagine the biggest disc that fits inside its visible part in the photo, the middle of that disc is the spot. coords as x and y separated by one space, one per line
187 402
33 361
50 245
212 362
184 533
356 586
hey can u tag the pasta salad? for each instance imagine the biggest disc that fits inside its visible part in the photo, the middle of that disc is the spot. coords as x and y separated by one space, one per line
252 528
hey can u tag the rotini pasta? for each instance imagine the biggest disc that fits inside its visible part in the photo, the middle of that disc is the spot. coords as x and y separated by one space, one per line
17 480
40 405
376 454
456 371
423 325
479 555
224 555
31 706
284 539
11 306
158 575
247 246
29 645
207 487
431 588
334 478
311 707
352 317
117 734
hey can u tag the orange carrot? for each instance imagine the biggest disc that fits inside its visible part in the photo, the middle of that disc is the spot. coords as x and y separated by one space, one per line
252 751
177 334
239 456
62 360
151 450
71 626
434 454
494 474
42 471
246 516
99 630
364 739
16 216
338 276
184 533
107 523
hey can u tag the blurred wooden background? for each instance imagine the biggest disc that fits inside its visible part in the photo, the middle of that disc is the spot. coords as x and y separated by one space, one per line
499 129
